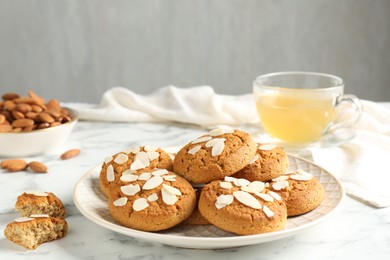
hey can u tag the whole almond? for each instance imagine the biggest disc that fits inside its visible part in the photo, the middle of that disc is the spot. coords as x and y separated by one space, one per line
14 165
70 154
23 108
22 123
5 128
27 100
37 167
34 95
45 118
2 119
7 115
10 96
36 108
18 115
54 105
9 105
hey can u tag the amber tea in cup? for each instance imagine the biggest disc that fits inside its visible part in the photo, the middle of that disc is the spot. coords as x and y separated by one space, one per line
301 107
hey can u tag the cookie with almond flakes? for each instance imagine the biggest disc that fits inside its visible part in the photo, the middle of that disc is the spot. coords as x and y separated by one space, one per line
301 191
220 153
135 159
270 161
153 201
242 207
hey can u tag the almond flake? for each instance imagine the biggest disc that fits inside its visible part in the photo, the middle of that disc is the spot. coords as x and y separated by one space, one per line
134 150
300 177
150 148
121 158
172 190
140 204
267 147
221 131
144 176
130 189
23 219
254 159
268 212
230 179
152 183
108 159
201 139
153 155
274 195
128 171
152 197
168 197
169 177
37 193
257 186
160 172
279 185
143 158
120 202
281 178
217 149
225 185
265 197
39 216
215 141
223 201
194 149
247 199
216 132
110 173
128 177
241 182
137 165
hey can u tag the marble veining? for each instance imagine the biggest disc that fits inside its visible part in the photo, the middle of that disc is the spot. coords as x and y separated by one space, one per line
355 231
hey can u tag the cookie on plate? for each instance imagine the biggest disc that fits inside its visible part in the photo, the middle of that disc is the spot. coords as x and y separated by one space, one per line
152 201
131 160
242 207
36 202
220 153
30 232
270 161
196 218
301 191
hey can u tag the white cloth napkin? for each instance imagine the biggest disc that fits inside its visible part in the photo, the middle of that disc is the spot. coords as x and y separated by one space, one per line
362 164
196 105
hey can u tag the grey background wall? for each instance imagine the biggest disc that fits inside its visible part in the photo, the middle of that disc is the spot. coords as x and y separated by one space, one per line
75 50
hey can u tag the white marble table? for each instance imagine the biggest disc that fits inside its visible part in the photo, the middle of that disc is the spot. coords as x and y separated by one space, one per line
355 231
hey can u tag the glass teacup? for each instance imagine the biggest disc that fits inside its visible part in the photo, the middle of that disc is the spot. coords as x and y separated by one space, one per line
299 109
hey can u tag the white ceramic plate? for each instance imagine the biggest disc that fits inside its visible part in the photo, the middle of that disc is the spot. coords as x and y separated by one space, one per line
93 204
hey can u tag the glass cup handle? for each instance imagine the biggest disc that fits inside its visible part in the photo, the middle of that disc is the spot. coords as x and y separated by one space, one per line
357 112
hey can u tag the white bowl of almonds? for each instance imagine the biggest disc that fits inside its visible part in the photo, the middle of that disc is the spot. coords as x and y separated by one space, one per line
30 126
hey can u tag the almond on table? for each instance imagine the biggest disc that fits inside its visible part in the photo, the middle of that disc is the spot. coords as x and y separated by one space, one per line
37 167
70 154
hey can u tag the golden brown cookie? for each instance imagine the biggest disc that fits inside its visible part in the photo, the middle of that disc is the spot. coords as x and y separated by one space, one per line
220 153
30 232
197 219
35 202
270 161
242 207
131 160
301 191
153 201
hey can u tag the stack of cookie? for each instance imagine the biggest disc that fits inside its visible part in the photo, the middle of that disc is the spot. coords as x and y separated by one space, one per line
43 220
222 178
